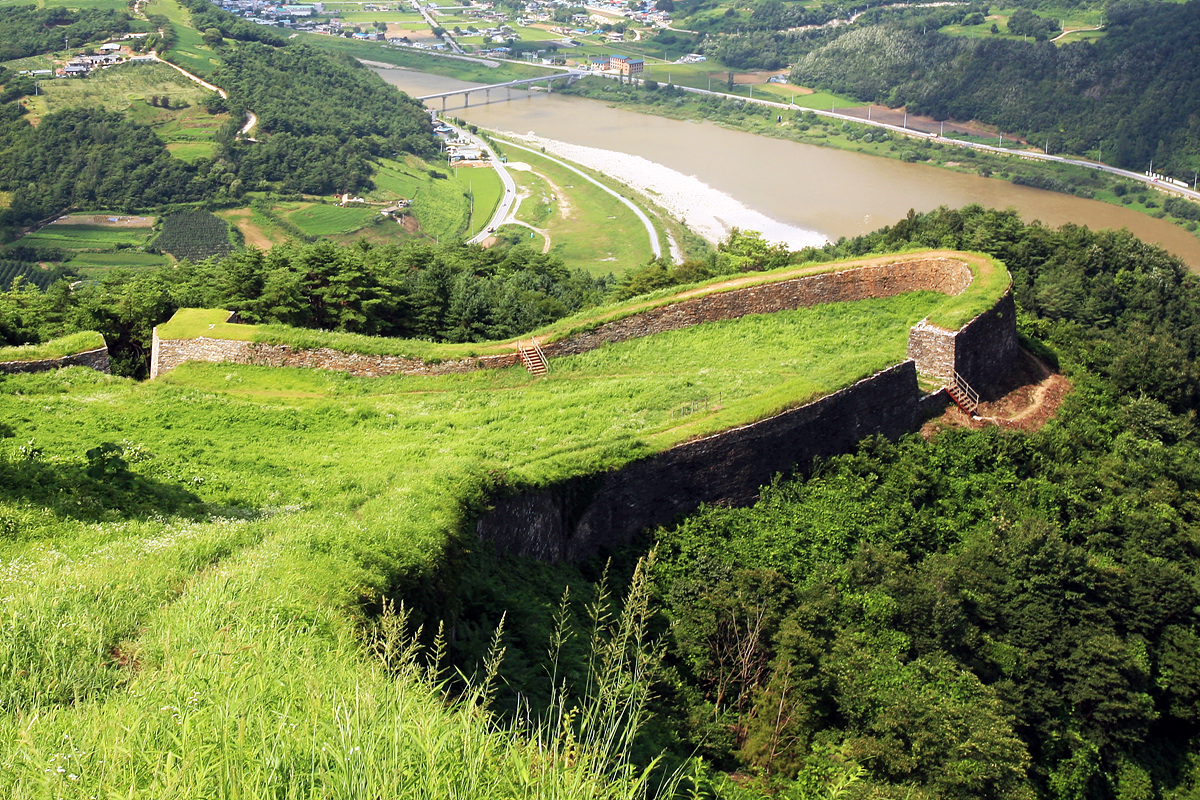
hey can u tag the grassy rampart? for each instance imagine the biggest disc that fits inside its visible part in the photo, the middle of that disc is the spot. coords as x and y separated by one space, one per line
55 348
990 281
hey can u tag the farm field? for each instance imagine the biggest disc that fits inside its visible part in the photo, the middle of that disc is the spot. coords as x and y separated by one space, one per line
485 190
86 237
1068 18
406 17
318 219
185 126
122 87
257 229
213 586
95 265
194 235
94 244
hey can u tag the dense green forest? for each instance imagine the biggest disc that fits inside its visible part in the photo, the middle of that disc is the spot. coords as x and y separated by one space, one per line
324 117
455 293
1130 92
90 158
979 614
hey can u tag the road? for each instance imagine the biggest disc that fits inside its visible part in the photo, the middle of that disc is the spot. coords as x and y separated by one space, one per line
251 121
433 24
655 245
507 200
212 88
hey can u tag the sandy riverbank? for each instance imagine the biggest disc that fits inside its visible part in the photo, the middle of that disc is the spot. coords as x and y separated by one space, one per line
707 211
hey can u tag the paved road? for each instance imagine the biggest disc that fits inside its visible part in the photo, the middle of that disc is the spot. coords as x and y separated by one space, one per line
433 24
507 200
655 245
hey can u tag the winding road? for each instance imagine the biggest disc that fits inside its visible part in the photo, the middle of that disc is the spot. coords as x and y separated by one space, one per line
655 245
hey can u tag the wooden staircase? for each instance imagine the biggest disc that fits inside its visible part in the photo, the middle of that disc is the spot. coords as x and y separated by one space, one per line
532 357
963 395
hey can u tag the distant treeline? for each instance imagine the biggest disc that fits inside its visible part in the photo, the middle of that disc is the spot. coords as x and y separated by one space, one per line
1130 93
30 31
455 293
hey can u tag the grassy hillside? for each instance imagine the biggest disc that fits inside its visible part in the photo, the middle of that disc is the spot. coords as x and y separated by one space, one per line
192 568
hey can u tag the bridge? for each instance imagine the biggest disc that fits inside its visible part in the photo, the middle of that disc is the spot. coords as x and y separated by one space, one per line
569 77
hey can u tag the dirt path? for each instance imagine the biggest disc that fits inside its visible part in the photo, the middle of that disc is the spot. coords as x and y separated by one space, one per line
1029 399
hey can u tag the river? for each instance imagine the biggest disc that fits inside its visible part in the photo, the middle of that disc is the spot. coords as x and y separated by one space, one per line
793 192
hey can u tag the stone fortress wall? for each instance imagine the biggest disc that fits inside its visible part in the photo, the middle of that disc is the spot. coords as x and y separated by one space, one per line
855 282
96 359
584 516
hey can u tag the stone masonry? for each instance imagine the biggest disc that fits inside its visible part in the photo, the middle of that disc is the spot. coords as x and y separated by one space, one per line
940 274
95 359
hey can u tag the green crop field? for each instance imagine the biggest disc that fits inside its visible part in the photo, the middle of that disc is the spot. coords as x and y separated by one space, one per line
86 237
94 265
190 565
122 87
370 17
395 180
330 220
192 151
485 190
30 62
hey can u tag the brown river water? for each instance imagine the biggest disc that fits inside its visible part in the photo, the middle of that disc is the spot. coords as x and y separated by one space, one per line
832 192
